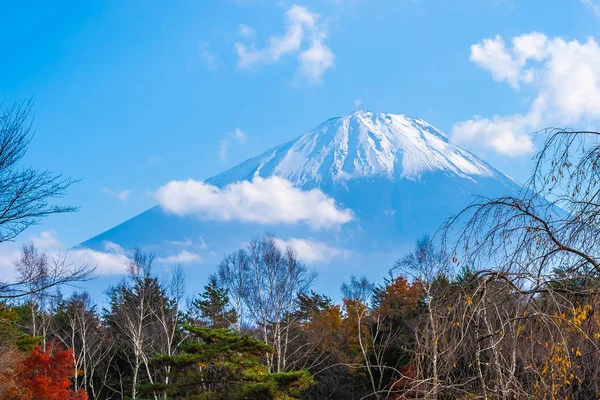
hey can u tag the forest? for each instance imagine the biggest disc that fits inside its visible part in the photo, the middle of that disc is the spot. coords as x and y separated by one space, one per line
500 303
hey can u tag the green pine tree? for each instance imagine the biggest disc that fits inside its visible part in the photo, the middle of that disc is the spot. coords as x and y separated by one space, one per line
212 306
221 364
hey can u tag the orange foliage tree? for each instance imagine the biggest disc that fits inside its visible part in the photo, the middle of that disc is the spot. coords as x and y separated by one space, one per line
46 375
378 326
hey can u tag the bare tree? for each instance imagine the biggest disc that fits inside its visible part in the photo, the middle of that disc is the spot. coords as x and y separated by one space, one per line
83 332
553 222
32 268
232 275
427 265
132 315
40 271
521 317
26 196
144 316
264 283
167 314
358 289
25 193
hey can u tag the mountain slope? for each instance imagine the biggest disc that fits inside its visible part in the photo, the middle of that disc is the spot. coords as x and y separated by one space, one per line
400 176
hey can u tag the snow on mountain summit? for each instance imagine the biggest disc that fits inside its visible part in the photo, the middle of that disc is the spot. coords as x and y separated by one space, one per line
361 145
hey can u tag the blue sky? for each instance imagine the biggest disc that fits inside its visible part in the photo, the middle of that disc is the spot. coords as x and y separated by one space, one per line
130 95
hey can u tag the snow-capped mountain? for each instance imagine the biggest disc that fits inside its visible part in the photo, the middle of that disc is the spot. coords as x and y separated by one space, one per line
363 145
396 176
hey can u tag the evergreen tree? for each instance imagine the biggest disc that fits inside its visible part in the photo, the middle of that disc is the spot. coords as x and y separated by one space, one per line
212 306
11 333
220 364
312 303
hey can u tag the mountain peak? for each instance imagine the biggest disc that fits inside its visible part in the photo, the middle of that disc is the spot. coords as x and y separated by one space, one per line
363 144
368 117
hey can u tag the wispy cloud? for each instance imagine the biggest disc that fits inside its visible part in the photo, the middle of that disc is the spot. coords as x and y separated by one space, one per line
45 240
209 58
593 5
565 75
246 31
183 257
269 201
10 252
317 59
224 144
239 135
311 250
8 257
112 260
122 195
223 148
186 242
304 37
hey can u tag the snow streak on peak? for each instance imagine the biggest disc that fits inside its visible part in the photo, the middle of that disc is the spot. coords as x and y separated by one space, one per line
364 145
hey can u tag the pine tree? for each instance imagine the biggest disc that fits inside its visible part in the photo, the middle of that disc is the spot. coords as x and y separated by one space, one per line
213 306
312 303
220 364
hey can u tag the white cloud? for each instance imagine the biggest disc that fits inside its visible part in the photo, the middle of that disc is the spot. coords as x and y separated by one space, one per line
564 74
113 260
9 254
357 103
122 195
246 31
302 27
224 144
209 58
113 247
506 135
491 54
311 250
592 5
315 61
299 19
183 257
223 148
239 135
45 240
186 242
202 243
272 200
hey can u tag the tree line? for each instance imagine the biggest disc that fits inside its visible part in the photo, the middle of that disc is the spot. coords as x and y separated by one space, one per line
500 303
257 330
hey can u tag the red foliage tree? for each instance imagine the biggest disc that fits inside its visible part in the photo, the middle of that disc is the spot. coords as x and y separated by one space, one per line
46 375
